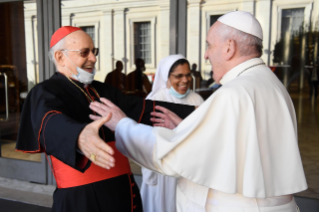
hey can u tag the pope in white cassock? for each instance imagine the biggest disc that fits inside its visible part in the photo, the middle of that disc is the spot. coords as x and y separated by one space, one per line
239 150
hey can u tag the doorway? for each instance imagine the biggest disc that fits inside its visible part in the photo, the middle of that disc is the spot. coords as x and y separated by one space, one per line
19 73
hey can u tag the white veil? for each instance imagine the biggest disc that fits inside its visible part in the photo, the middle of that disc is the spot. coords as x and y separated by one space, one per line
162 73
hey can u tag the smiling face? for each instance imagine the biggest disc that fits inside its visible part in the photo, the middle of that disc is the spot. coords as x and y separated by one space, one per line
180 78
76 41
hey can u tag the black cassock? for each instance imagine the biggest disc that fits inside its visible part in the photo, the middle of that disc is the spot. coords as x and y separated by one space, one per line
54 114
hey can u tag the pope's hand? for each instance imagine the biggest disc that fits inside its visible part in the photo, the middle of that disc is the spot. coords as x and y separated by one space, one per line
104 110
166 119
93 147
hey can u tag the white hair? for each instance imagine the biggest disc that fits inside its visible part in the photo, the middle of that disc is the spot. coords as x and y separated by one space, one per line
58 46
247 44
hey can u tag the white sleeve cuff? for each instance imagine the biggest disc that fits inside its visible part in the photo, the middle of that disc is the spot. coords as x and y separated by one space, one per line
136 141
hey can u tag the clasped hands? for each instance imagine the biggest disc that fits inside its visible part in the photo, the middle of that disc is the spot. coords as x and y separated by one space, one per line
99 152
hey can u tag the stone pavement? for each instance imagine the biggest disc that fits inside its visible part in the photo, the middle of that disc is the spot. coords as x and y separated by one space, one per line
14 206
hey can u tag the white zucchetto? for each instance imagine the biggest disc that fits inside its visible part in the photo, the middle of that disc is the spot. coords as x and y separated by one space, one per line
243 21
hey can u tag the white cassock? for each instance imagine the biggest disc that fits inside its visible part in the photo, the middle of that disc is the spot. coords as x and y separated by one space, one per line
158 191
237 152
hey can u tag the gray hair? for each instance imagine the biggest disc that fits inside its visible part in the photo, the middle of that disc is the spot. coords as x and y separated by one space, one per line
58 46
247 44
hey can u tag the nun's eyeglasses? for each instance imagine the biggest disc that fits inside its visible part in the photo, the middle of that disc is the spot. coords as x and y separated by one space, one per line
180 76
84 52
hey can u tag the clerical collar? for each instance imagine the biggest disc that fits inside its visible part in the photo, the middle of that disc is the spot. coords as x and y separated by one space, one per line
79 85
61 75
237 70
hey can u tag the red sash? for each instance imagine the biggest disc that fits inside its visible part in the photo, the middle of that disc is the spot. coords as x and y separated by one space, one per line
67 177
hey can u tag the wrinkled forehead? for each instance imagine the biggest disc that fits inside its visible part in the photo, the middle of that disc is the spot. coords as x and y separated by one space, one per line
79 40
212 34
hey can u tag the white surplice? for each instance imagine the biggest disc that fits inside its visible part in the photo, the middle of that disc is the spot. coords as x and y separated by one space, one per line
240 141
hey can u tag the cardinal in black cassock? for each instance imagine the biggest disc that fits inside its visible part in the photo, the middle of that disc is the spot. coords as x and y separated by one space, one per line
55 114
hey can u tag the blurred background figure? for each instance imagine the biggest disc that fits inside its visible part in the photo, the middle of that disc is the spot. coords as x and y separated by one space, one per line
137 81
116 78
172 84
198 77
210 81
313 82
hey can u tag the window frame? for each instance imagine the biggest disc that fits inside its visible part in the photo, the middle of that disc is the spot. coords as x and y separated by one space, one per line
150 42
277 8
277 17
131 22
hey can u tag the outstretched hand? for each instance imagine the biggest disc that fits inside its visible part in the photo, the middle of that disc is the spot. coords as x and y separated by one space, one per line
93 147
104 110
166 119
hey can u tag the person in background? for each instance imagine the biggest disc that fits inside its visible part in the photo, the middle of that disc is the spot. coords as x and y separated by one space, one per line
210 81
137 81
172 84
116 78
197 76
314 82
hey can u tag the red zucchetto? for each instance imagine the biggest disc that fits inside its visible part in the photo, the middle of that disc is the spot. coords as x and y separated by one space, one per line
61 33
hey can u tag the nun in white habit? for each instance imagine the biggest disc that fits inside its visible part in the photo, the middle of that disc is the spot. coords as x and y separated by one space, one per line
172 84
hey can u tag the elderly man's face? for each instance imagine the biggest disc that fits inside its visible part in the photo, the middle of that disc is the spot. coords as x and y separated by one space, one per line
76 41
214 52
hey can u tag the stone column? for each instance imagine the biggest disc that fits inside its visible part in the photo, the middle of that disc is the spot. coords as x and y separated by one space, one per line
178 23
106 43
119 40
263 15
163 32
249 6
32 71
182 28
193 32
173 26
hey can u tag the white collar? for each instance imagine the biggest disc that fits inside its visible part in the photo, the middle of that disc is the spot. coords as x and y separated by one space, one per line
234 72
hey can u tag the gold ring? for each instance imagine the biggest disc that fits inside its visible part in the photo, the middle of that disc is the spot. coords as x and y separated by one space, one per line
93 157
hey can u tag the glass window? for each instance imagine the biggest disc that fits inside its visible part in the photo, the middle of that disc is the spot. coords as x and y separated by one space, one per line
292 20
142 41
213 19
290 43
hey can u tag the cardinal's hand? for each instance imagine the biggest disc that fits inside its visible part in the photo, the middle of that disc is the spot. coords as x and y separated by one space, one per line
93 147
